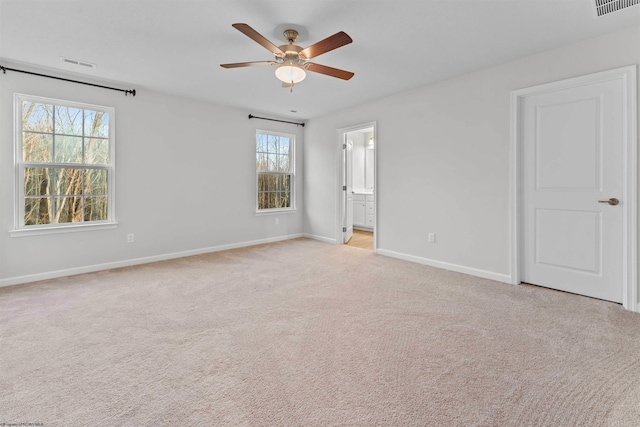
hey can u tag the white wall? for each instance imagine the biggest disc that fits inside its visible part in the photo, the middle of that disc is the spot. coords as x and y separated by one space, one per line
357 160
185 182
369 162
443 158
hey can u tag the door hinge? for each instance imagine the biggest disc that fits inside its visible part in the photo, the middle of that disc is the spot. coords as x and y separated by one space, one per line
344 188
344 229
344 146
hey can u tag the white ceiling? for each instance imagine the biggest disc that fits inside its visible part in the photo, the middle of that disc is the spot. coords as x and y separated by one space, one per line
176 46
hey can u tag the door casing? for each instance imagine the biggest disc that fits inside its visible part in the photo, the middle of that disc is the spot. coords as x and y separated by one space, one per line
630 193
347 211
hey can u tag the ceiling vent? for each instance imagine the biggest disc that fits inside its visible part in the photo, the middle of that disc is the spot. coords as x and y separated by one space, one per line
77 63
604 7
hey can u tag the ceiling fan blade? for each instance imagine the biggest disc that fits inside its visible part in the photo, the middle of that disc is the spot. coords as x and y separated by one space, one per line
247 64
323 46
329 71
258 38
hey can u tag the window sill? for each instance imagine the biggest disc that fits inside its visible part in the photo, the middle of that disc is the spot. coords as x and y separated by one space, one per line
36 231
275 212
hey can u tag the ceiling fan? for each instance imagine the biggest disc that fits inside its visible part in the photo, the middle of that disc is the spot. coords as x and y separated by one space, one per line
293 61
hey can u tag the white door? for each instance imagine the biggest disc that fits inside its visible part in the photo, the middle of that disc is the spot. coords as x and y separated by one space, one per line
348 191
573 152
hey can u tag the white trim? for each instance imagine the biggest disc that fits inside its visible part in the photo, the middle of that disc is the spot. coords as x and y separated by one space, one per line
630 260
81 226
631 298
340 180
276 211
515 203
136 261
320 238
499 277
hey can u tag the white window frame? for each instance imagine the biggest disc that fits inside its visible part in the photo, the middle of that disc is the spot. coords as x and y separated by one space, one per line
292 173
20 229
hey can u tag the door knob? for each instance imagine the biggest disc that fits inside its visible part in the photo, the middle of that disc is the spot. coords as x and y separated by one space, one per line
612 201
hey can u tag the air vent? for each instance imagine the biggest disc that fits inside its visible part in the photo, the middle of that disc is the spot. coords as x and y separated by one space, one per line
77 63
604 7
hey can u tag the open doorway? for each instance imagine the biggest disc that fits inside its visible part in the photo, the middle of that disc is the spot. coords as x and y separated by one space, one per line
358 200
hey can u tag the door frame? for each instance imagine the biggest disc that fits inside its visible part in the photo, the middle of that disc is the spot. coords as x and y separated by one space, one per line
630 193
341 180
347 168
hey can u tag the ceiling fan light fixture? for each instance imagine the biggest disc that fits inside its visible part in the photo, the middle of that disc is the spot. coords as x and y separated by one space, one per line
290 73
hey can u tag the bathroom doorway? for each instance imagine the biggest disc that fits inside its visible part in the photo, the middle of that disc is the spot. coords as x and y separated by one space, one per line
358 198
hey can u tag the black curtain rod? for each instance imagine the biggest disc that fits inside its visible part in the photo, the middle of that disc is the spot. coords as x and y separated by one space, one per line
251 116
126 91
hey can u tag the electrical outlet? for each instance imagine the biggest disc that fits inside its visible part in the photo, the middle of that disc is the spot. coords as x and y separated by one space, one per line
277 221
130 238
432 237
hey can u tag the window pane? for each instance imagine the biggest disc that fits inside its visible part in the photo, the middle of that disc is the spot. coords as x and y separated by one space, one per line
96 181
95 208
273 182
96 151
37 211
263 184
272 162
36 147
261 162
261 143
96 123
285 182
272 143
273 200
283 163
68 149
263 202
68 182
68 209
68 120
37 117
37 182
284 200
284 146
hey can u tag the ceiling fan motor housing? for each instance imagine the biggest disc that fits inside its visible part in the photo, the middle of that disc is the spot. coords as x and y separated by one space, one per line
291 53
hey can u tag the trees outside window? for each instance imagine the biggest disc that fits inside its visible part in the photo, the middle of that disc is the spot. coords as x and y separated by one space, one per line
64 163
274 170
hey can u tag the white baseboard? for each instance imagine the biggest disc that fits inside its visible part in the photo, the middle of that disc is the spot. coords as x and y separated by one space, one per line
136 261
145 260
505 278
320 238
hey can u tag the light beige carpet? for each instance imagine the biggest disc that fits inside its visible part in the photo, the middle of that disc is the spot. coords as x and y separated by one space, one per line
303 333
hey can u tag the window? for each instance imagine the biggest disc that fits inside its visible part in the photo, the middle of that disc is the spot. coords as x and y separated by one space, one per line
274 167
64 164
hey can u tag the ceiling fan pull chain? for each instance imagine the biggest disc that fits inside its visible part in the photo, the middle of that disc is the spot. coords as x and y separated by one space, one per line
291 90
